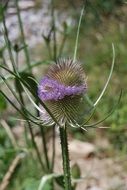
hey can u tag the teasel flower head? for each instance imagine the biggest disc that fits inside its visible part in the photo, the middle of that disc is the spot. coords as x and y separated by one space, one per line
62 89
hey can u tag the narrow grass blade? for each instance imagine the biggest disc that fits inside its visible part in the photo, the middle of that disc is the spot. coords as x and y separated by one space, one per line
77 36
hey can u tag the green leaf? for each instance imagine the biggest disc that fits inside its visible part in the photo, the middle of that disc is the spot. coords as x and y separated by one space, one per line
60 180
29 79
75 171
3 104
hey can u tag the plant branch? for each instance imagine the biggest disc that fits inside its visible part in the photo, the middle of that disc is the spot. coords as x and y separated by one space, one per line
23 36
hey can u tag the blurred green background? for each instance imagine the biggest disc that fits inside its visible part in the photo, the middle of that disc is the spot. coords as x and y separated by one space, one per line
104 23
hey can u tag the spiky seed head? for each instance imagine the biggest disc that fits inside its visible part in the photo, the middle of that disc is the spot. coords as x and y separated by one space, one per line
62 89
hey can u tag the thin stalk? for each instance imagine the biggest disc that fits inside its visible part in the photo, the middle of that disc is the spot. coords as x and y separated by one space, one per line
78 30
65 157
26 52
35 146
4 61
23 110
44 144
53 149
45 148
17 60
49 50
54 32
8 43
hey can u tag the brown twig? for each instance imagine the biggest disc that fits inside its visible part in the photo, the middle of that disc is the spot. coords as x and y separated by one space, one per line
5 182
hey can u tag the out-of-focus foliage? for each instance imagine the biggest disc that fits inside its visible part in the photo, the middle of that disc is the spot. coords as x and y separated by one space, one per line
6 152
104 23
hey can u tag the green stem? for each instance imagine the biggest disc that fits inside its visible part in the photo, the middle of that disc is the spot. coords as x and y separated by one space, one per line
23 36
8 43
78 30
53 148
45 148
35 146
23 110
49 50
65 157
54 32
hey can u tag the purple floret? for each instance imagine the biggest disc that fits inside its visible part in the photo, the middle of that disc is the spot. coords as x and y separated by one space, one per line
50 89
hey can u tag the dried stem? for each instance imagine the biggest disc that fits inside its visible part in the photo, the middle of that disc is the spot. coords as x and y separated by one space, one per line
5 182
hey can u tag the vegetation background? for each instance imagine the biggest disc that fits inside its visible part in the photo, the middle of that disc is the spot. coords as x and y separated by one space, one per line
104 23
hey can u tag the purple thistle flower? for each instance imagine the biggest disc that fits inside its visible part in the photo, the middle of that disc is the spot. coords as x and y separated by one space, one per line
62 90
50 89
